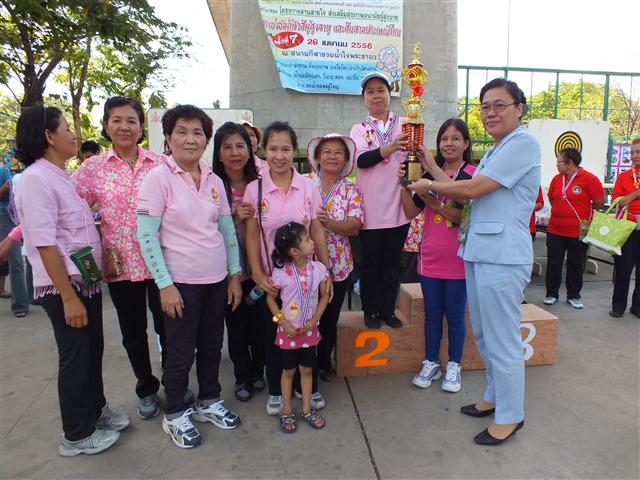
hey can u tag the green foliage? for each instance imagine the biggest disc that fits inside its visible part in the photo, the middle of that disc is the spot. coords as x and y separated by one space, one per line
37 35
576 101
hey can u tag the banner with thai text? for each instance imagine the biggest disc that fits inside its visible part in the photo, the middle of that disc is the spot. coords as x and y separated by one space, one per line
328 46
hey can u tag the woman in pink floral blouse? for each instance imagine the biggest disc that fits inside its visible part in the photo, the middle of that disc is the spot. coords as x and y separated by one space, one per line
111 181
342 216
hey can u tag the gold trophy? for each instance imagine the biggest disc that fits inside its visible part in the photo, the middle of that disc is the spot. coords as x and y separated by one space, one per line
413 127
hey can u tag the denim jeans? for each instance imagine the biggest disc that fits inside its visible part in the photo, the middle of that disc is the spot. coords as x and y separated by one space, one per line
19 296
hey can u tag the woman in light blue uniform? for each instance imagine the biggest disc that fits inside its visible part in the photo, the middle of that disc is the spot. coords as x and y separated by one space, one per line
497 251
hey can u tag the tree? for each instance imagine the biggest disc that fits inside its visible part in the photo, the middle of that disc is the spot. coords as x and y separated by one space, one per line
37 35
576 101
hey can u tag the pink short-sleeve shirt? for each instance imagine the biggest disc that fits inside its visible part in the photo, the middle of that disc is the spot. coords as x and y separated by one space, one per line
52 213
107 180
300 204
299 302
192 246
378 185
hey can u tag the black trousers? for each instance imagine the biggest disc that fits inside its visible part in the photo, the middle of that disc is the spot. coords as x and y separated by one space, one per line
245 339
130 300
329 325
624 265
197 335
380 268
273 362
576 252
80 389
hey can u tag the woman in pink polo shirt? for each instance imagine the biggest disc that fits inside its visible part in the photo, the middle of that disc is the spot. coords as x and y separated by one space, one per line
440 269
111 181
232 162
380 151
284 196
190 246
56 223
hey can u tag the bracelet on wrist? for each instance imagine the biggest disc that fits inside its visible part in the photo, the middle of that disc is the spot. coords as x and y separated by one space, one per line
278 317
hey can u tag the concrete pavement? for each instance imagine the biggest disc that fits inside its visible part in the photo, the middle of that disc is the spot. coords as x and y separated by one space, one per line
582 414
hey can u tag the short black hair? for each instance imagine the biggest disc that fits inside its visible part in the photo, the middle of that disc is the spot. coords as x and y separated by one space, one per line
278 127
118 101
31 141
571 154
512 87
186 112
249 171
90 146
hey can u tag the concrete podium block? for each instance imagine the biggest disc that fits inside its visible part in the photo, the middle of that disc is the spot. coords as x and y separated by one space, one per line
361 351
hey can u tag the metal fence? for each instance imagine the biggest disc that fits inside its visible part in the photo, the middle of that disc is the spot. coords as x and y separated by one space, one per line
623 114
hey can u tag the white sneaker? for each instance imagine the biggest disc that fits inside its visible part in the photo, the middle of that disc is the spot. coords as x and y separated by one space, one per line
452 380
217 414
182 431
274 404
110 420
430 371
317 400
550 300
98 441
575 303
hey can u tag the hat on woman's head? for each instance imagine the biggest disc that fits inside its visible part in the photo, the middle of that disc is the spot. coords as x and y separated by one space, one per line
315 141
372 75
257 131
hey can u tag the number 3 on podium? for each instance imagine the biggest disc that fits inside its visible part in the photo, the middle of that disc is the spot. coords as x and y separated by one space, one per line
380 344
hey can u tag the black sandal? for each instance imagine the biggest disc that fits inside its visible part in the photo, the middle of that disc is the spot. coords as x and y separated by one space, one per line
288 423
313 419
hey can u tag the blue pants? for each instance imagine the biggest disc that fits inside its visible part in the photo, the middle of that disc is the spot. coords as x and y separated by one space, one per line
443 297
19 297
495 295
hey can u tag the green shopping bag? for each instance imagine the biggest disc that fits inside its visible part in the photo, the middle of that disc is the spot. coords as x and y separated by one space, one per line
609 233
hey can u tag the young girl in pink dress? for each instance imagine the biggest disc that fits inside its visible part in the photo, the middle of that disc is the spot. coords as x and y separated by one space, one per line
301 284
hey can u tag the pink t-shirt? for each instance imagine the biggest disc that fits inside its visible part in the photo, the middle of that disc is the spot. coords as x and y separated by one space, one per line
379 184
52 213
300 204
107 180
236 199
192 246
299 302
261 165
439 249
343 202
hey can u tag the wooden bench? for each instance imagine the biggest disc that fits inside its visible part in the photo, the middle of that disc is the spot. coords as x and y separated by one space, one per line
362 351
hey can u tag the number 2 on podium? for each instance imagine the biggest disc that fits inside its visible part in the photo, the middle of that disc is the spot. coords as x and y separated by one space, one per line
381 343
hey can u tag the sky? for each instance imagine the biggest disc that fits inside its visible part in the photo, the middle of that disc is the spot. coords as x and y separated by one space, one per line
555 34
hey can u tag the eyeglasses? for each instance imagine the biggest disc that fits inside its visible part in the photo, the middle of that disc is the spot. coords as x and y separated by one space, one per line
332 152
497 107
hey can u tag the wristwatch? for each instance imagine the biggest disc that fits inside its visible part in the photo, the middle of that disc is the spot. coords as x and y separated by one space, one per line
278 317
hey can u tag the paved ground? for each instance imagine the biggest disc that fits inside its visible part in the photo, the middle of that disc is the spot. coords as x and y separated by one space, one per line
582 414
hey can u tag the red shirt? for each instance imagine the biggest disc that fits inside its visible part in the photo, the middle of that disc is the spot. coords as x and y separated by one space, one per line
579 193
539 201
624 186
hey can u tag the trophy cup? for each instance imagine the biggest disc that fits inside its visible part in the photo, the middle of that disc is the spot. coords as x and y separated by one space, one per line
413 127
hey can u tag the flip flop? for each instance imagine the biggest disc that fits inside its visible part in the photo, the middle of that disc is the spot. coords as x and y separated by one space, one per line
5 294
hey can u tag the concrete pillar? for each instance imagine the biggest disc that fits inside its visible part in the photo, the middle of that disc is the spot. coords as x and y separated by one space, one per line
255 83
